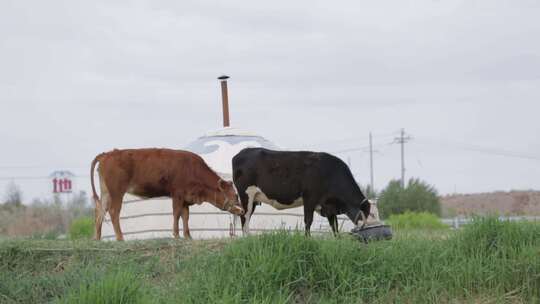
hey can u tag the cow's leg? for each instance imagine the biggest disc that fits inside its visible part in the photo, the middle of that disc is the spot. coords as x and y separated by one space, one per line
100 216
114 211
177 210
332 219
102 206
244 201
98 223
185 219
101 210
308 216
115 180
249 211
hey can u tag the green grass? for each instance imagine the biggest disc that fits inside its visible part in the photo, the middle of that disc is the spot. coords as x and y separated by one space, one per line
120 287
416 220
488 261
82 228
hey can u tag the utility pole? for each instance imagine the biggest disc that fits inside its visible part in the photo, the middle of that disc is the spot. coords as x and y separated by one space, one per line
371 162
402 139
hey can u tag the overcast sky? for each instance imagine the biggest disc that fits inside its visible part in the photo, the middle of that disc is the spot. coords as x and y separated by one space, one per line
462 77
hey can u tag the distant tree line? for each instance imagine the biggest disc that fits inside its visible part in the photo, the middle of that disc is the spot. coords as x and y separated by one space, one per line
52 217
49 217
416 196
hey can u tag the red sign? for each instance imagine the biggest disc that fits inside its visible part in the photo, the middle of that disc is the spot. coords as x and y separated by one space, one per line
62 181
61 185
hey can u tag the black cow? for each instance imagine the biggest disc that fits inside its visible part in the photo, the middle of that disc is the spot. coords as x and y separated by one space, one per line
319 181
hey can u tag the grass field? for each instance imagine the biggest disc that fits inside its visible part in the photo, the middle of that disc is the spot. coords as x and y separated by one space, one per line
486 262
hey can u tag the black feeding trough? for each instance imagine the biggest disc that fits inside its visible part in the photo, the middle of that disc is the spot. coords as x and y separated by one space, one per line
372 233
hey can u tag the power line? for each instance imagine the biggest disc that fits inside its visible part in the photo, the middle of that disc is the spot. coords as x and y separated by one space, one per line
363 149
41 167
479 149
353 139
35 177
24 177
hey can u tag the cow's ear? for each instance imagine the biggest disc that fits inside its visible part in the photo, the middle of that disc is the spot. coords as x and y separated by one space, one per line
221 185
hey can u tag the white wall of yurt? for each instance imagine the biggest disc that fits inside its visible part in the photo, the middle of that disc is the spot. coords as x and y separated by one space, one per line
152 218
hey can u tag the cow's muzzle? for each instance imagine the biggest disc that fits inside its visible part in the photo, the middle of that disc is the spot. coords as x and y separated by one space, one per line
361 215
364 219
236 210
233 208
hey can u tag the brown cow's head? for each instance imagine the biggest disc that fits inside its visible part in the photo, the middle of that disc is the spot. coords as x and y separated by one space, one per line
229 199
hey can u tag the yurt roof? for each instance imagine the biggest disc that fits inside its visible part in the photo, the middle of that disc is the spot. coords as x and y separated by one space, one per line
218 147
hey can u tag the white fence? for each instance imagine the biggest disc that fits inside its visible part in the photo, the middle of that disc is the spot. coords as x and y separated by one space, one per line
152 218
457 222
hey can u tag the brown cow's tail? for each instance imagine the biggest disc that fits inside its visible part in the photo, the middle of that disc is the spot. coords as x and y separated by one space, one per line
100 210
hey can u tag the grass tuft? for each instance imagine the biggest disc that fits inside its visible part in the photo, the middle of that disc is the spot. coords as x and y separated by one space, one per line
119 287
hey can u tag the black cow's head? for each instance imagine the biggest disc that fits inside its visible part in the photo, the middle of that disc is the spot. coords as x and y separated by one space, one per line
358 212
363 213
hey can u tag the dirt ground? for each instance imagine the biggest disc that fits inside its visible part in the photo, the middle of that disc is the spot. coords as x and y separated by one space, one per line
502 203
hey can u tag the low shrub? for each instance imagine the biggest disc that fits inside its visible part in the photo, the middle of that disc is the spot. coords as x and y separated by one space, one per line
82 228
415 220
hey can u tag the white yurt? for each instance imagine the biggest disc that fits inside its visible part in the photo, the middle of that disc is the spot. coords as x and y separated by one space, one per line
152 218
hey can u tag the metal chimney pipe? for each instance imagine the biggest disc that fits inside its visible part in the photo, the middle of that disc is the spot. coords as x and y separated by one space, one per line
225 99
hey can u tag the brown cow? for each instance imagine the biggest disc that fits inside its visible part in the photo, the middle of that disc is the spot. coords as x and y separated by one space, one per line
181 175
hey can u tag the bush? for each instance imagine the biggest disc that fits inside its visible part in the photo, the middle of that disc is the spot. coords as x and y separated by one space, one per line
414 220
82 228
417 196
